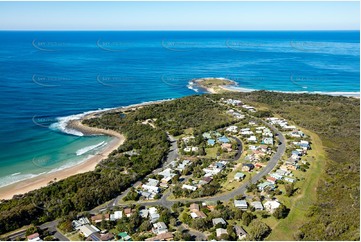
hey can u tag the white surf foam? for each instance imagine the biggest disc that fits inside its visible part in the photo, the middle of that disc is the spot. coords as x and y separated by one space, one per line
192 86
89 148
16 177
62 124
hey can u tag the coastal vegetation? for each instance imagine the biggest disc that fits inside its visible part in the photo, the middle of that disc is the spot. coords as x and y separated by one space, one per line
113 175
334 119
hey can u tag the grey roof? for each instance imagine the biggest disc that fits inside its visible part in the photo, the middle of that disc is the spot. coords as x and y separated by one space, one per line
216 221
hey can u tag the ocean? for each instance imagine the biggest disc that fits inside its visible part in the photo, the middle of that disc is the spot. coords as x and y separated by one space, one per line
48 77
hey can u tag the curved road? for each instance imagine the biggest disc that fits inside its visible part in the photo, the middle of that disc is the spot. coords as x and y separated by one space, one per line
240 190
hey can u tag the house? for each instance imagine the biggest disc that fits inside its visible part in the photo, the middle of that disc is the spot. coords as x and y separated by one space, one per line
194 207
124 236
34 237
193 188
206 135
146 195
239 176
153 214
207 180
264 185
167 175
116 215
276 176
223 139
257 205
88 230
197 214
212 171
106 237
128 212
81 221
182 165
227 147
160 228
151 189
94 237
252 138
99 217
233 102
259 165
211 142
220 165
288 179
152 182
271 206
162 237
268 141
240 232
190 149
143 213
242 204
271 180
216 221
221 231
247 167
281 172
232 129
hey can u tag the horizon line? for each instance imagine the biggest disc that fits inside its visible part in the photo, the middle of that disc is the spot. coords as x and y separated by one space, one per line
173 30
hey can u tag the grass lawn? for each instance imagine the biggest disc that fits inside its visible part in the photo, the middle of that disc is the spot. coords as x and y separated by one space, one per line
299 203
74 236
211 152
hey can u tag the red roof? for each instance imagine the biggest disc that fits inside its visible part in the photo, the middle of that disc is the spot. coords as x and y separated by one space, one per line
33 236
271 179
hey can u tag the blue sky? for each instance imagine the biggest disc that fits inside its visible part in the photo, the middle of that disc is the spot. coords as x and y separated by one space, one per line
179 16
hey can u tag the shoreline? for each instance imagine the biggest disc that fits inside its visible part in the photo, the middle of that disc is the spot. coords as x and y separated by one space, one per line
27 185
217 89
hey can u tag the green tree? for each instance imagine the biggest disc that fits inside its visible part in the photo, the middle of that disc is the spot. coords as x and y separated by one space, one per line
258 230
280 212
247 218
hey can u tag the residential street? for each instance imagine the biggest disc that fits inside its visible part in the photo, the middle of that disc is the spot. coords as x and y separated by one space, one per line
238 191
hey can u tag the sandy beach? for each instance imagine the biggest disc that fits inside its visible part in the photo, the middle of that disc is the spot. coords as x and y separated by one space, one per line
25 186
7 192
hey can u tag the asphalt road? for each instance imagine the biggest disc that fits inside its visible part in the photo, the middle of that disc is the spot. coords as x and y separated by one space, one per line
171 156
238 191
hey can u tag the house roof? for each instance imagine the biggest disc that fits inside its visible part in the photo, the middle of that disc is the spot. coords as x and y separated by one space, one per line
240 203
160 237
218 220
194 206
87 229
239 175
33 236
239 230
257 205
100 217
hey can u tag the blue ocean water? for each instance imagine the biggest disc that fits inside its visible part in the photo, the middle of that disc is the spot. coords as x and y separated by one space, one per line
48 75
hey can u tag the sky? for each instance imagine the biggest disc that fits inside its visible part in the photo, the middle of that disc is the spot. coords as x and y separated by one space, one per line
179 15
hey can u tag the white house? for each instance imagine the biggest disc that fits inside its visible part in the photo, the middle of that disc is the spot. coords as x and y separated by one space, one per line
88 230
116 215
193 188
239 176
271 206
257 205
160 228
232 129
252 139
242 204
